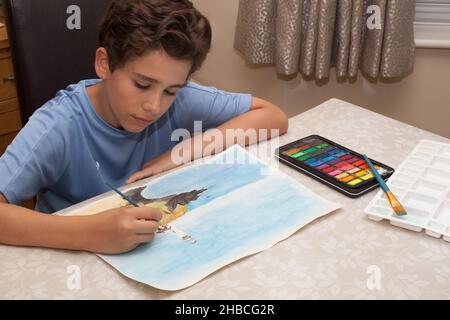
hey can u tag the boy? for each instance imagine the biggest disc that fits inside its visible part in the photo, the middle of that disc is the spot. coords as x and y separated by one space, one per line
124 120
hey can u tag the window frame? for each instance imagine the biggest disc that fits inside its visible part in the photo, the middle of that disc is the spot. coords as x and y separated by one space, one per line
432 24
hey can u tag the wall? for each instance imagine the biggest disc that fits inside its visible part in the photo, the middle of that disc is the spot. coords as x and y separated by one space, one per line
422 99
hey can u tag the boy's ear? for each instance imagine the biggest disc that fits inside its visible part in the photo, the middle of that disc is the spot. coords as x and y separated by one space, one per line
102 63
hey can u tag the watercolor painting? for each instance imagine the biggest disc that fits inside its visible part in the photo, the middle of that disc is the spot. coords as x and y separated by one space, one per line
214 213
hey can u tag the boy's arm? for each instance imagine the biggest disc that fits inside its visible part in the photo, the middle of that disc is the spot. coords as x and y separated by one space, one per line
112 231
262 115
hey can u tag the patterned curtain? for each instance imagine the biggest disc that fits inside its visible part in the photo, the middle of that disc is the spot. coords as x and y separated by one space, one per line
311 36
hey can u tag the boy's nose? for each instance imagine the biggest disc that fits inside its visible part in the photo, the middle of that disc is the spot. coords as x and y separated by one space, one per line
152 106
152 110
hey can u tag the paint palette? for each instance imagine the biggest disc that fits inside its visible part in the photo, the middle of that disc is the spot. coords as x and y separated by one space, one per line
333 164
422 185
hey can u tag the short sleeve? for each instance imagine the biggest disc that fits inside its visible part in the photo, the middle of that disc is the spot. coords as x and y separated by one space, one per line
35 159
207 104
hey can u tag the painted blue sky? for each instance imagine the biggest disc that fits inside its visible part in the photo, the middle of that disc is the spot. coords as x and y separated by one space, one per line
218 179
228 171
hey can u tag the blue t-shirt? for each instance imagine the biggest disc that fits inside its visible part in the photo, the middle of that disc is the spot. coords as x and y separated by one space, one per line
55 153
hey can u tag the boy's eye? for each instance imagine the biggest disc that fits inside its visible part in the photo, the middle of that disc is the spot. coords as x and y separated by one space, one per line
140 86
170 93
145 87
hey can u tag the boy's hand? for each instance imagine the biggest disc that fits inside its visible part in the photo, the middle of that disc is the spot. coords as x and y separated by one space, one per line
122 229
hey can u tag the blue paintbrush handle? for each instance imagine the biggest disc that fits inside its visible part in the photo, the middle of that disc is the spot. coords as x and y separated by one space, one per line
376 174
121 194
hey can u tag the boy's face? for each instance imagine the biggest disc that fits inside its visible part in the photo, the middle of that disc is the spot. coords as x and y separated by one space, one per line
140 92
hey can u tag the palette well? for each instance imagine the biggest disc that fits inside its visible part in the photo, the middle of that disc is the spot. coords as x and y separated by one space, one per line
422 185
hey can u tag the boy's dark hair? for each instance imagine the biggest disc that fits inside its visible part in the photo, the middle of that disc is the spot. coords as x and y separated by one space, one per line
131 28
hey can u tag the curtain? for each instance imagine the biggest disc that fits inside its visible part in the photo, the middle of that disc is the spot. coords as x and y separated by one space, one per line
311 36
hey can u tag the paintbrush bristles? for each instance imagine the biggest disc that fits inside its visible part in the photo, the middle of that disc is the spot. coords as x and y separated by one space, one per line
395 204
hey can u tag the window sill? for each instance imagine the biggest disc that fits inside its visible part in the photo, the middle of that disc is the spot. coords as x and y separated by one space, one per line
429 35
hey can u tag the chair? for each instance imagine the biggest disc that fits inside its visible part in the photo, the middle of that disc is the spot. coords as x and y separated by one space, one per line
53 44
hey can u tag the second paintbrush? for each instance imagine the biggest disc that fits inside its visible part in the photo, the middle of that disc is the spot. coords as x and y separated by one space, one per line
395 204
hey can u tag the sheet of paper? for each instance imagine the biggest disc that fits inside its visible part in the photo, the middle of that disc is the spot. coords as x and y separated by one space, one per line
215 213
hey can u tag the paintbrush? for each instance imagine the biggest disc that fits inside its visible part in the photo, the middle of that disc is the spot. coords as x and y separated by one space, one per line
178 232
395 204
109 185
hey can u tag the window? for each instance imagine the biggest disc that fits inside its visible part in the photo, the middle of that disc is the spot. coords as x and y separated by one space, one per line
432 24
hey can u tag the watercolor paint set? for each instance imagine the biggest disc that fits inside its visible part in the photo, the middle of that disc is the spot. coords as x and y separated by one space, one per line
337 166
422 184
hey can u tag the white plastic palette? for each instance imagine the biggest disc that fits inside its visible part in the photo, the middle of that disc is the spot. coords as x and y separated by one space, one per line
422 185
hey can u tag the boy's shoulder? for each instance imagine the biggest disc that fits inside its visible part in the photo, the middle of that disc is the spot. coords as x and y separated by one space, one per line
72 97
194 92
68 104
61 117
193 87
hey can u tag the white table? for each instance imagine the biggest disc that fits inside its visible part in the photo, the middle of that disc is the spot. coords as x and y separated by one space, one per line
331 258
